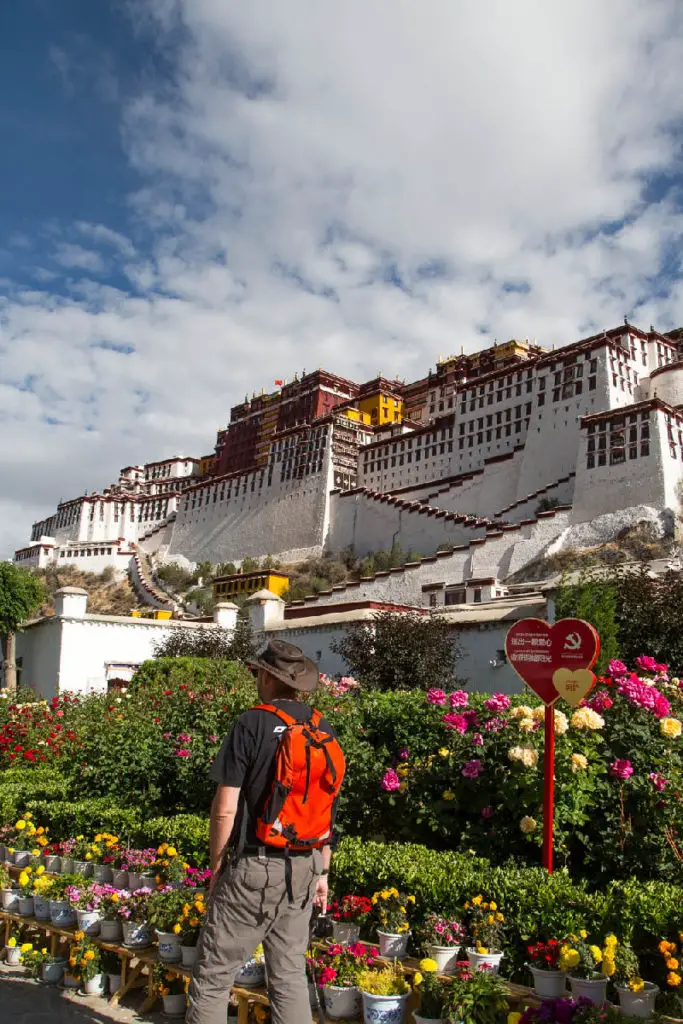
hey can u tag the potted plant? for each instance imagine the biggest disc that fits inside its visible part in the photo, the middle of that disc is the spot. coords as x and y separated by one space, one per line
62 914
636 997
474 997
338 969
173 991
86 901
41 964
133 910
22 840
102 854
197 878
441 940
348 916
252 973
165 906
486 928
66 849
42 890
81 856
169 868
431 990
384 994
6 836
13 949
544 963
137 865
86 958
588 966
190 924
51 857
111 968
9 894
393 911
110 921
25 883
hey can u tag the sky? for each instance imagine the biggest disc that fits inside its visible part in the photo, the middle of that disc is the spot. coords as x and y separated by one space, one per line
199 197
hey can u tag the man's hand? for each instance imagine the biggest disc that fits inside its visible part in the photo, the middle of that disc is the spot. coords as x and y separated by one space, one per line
320 898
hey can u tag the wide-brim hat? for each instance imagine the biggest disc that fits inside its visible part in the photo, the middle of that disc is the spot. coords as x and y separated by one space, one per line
289 664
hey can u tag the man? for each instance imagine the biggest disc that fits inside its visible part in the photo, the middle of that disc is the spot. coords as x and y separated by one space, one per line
259 893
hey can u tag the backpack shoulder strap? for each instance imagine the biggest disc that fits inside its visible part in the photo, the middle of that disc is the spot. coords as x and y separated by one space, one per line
315 719
282 715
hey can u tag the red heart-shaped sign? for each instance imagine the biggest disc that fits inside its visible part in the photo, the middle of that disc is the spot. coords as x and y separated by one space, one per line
536 650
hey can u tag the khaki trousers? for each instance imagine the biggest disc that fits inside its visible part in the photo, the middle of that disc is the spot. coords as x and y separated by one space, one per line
249 905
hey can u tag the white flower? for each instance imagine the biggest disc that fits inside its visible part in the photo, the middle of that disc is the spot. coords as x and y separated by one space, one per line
527 824
561 723
586 718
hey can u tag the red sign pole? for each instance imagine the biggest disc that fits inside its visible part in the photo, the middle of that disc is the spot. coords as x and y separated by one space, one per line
548 788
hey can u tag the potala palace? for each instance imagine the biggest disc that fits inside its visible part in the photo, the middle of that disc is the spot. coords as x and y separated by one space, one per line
482 466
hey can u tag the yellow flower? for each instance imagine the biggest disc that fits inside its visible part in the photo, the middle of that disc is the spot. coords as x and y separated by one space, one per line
491 919
195 922
514 1018
20 825
417 979
44 950
23 878
499 917
448 794
198 905
569 958
443 751
89 954
636 984
88 856
114 897
171 851
72 961
478 900
79 935
177 929
481 949
527 824
12 942
611 941
665 946
673 980
28 815
428 966
493 906
26 947
608 967
403 787
583 933
162 849
596 953
40 870
672 964
410 899
670 727
586 718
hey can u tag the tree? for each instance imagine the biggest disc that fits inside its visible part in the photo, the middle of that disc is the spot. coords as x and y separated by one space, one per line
594 598
209 642
250 564
400 651
20 595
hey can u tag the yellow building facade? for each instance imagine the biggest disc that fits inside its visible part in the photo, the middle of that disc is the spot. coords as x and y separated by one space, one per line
242 584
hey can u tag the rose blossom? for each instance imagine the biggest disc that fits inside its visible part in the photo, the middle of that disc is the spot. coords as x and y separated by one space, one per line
458 699
617 668
495 725
391 781
621 769
658 781
404 754
498 702
453 721
436 696
487 812
478 739
646 664
472 769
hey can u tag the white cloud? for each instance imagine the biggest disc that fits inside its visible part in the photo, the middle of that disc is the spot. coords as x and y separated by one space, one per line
352 185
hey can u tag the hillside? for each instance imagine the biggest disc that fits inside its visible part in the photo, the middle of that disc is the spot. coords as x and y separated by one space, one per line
106 594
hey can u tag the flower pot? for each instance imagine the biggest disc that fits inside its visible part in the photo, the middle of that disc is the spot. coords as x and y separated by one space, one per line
384 1009
548 984
345 933
136 935
94 986
120 879
593 989
342 1003
252 974
148 882
637 1004
445 957
13 955
62 914
83 867
392 946
188 955
22 858
169 947
53 863
488 960
9 898
175 1005
3 852
133 881
26 906
70 982
68 865
426 1020
103 873
114 981
88 921
110 931
41 908
51 974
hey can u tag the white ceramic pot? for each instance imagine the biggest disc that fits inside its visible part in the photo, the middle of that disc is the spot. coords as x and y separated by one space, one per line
110 931
477 960
345 933
26 906
70 982
41 908
638 1004
83 867
342 1003
94 986
133 881
120 879
252 974
67 865
445 957
392 946
89 921
53 864
136 936
188 955
169 947
22 858
593 989
13 955
51 974
175 1005
148 882
9 898
548 984
384 1009
114 981
62 914
103 873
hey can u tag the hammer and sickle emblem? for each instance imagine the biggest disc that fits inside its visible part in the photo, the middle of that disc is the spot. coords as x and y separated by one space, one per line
573 642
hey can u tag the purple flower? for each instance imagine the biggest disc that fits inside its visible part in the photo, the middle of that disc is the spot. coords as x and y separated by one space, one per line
453 721
646 664
617 668
472 769
478 740
658 781
495 725
458 699
498 702
391 781
487 812
621 769
404 754
436 696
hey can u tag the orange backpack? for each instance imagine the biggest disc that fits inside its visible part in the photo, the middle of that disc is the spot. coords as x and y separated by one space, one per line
309 769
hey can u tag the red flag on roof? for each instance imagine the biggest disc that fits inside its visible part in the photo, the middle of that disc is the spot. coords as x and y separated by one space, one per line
278 383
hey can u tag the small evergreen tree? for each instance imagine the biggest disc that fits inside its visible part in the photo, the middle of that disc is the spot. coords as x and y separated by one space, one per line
594 598
20 595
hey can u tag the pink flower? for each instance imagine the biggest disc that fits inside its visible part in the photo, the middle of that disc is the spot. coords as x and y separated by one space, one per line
183 737
458 699
495 725
213 738
183 753
478 740
453 721
471 717
327 976
472 769
600 702
617 668
59 714
658 781
391 781
621 769
167 735
404 754
487 812
498 702
662 706
646 664
436 696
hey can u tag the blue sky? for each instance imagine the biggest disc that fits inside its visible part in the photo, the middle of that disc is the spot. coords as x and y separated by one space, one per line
201 196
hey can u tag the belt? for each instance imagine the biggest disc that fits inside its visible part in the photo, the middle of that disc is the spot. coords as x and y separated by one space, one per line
274 852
